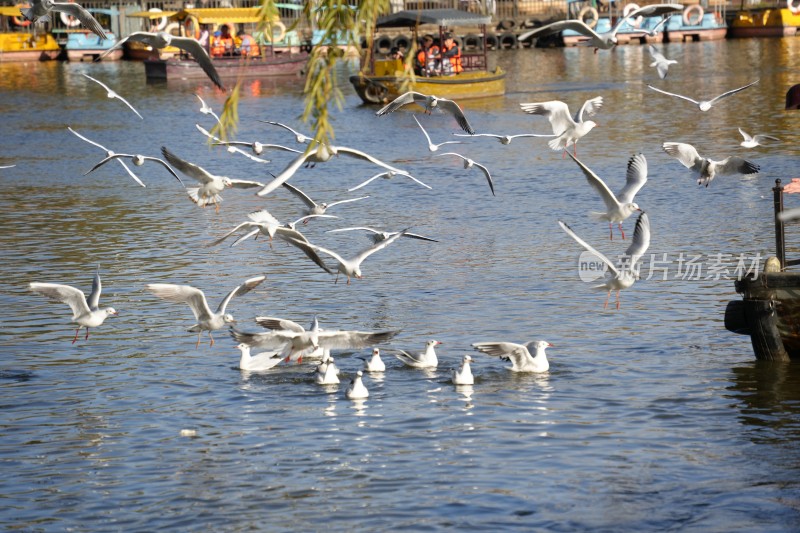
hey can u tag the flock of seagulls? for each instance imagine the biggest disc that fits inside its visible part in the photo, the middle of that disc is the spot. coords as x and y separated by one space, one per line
284 340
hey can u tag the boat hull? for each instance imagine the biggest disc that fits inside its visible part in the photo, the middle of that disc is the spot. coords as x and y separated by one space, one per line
85 46
477 84
176 68
766 23
18 46
710 28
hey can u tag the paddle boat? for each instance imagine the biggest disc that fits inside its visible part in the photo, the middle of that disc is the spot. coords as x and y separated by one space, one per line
18 41
765 23
282 54
696 24
383 79
81 44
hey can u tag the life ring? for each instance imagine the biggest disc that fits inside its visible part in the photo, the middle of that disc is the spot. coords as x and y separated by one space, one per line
375 92
173 28
589 10
492 42
69 20
162 22
191 27
24 23
697 9
508 40
794 9
630 8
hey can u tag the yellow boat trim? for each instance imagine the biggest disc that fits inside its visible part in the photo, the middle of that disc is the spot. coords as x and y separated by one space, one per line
152 14
10 11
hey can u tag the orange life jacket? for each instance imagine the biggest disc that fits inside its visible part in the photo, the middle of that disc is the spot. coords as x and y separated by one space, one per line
424 56
249 46
455 60
221 46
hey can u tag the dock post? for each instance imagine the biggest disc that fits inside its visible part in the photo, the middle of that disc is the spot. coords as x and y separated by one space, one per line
780 242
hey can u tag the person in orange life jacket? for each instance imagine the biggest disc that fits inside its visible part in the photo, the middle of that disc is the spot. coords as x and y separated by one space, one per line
248 46
222 44
451 56
426 57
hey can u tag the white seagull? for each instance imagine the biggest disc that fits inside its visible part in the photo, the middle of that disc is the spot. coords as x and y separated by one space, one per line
463 374
257 147
433 147
87 314
660 62
111 94
389 174
519 354
163 39
352 267
299 137
620 206
356 390
283 324
296 344
704 105
327 373
704 169
232 149
469 163
627 273
263 222
210 184
206 109
42 11
137 160
312 207
374 363
207 320
568 129
321 154
426 359
755 140
605 40
378 235
429 103
505 139
109 153
259 362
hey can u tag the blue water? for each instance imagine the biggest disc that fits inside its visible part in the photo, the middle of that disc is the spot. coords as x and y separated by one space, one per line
652 417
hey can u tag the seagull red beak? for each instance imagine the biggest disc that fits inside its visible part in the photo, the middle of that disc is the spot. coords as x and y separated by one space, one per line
549 345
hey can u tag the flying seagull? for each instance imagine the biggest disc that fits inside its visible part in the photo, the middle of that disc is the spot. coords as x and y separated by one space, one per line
707 169
429 103
42 11
704 105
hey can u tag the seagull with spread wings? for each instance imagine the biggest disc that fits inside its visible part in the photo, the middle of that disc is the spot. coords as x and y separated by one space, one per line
620 206
112 94
314 208
207 320
519 354
42 11
704 105
567 128
136 159
469 163
108 153
86 313
705 169
430 103
660 62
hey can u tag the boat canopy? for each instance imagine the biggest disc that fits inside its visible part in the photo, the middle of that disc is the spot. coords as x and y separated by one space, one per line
213 15
10 11
440 17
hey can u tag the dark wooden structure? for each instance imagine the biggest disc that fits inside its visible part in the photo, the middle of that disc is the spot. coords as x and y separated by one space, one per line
770 307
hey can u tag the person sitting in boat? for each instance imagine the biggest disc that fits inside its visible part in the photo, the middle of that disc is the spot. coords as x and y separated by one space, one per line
248 46
427 57
395 53
222 44
451 56
204 36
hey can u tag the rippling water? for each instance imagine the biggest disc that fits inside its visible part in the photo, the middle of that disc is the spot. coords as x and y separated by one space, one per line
652 417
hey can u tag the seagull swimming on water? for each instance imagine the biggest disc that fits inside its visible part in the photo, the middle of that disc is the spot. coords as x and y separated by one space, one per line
704 169
374 363
463 374
704 105
42 11
429 103
620 206
207 320
626 274
426 359
163 39
568 129
258 362
112 94
356 390
519 354
87 314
